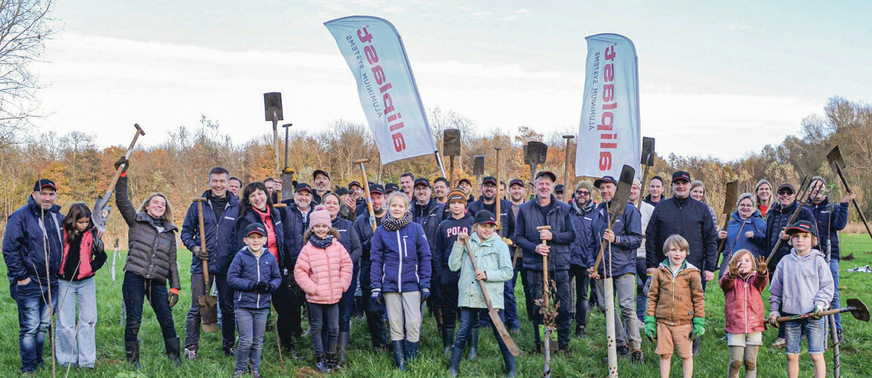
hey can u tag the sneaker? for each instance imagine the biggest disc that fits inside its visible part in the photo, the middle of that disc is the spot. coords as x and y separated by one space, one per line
623 351
779 343
255 374
841 338
637 358
238 373
191 354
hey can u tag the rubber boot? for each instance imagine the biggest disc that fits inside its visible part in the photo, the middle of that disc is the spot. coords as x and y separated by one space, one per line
131 349
343 345
454 367
511 364
321 364
696 347
447 340
411 352
473 344
172 347
398 354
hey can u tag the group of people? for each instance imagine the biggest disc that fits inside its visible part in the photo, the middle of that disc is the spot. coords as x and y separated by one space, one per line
413 245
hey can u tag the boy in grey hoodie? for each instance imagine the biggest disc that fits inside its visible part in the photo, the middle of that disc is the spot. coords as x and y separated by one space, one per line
802 284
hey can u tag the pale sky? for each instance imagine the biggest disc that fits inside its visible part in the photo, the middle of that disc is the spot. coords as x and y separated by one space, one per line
717 78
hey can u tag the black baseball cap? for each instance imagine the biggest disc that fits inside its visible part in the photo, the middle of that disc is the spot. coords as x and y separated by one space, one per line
550 175
489 180
391 187
255 228
319 171
516 182
605 179
558 188
376 188
786 185
464 179
484 217
422 181
800 227
303 186
44 183
354 183
680 175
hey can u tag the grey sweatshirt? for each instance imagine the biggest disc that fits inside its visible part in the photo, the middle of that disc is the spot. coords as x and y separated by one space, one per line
801 283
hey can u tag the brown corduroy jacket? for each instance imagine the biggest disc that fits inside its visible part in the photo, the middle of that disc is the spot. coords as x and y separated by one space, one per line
676 300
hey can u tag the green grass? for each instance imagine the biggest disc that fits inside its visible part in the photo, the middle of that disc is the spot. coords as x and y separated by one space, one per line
364 362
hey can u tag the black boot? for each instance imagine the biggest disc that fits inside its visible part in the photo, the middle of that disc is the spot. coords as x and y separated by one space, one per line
131 349
343 345
511 364
333 362
321 364
447 339
172 347
398 354
411 352
696 347
454 367
473 345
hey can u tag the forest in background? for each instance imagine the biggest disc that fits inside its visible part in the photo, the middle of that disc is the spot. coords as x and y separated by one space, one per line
178 165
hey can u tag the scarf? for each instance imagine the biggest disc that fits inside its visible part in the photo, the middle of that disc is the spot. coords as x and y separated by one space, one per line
321 243
392 224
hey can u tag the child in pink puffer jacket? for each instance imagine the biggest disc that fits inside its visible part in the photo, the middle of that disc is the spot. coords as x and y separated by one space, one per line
323 271
744 312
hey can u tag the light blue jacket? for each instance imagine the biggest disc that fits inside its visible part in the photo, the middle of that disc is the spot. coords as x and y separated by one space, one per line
493 258
800 283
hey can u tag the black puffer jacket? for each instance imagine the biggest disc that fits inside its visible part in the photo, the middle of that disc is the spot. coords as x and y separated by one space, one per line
776 220
152 253
686 217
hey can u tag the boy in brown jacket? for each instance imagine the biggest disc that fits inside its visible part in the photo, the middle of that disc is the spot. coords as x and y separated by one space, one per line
675 309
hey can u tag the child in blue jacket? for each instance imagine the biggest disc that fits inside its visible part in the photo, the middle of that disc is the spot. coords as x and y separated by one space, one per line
253 275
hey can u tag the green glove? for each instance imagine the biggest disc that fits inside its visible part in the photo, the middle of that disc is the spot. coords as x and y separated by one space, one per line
817 310
651 327
698 328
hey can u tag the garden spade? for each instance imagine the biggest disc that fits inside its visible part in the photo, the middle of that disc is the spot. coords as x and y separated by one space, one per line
730 198
208 303
647 161
855 307
838 165
451 148
616 208
477 170
535 153
289 178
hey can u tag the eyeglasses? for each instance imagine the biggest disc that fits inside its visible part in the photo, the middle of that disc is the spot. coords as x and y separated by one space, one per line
582 193
746 205
785 193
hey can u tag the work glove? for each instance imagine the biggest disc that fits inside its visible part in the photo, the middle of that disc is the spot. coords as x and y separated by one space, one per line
814 314
202 255
376 296
762 269
773 318
651 327
261 287
173 297
698 328
122 161
425 293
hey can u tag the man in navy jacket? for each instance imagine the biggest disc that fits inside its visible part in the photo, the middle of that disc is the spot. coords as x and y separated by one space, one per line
544 210
219 225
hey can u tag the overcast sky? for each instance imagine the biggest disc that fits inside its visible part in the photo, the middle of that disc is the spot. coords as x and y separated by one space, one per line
717 78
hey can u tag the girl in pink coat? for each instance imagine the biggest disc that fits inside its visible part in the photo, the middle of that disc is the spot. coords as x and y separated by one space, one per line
323 271
743 285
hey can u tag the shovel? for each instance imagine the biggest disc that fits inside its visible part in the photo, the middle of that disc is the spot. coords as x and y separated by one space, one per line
855 307
730 198
451 148
208 303
647 161
100 215
618 205
477 170
289 177
838 164
535 153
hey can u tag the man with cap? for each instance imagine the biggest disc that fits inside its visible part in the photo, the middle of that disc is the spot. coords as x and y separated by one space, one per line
354 204
619 263
427 212
466 185
322 185
655 191
689 218
375 312
517 191
558 192
776 223
544 210
646 209
488 201
458 222
581 254
391 187
33 244
219 227
296 223
406 185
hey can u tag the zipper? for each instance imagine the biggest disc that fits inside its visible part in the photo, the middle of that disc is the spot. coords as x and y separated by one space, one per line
673 298
400 269
329 269
745 305
257 260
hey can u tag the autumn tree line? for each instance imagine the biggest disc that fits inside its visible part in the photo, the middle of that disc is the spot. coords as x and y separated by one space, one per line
178 165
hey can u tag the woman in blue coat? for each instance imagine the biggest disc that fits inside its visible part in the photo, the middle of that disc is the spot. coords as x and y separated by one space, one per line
401 270
746 230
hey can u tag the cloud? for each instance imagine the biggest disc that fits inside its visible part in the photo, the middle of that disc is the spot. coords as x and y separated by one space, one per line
465 9
510 18
521 11
477 14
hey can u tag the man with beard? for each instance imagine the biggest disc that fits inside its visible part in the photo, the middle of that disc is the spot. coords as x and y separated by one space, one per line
375 312
427 212
558 193
322 185
517 192
581 255
466 186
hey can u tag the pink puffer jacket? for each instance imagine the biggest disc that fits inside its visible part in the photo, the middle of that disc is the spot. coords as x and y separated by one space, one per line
323 273
743 308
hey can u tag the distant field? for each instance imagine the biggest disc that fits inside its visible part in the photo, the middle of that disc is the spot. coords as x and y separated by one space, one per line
364 362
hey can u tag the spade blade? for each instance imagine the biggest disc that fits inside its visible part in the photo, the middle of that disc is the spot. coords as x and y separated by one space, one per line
478 165
731 196
622 194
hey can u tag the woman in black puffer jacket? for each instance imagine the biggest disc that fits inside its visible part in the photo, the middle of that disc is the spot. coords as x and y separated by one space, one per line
151 261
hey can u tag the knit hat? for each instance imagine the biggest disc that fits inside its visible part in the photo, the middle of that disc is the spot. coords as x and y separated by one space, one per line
584 184
457 195
319 216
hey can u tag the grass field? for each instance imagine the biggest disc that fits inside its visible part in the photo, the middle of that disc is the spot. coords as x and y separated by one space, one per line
364 362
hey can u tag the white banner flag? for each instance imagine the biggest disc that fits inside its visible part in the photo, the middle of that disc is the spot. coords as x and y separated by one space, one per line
375 53
609 132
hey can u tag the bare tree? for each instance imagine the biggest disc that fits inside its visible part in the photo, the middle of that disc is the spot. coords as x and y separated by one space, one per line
24 28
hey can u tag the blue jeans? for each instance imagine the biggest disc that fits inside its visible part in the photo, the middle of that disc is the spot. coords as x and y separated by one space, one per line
813 330
375 313
252 326
346 305
561 277
641 295
469 318
76 347
34 317
135 290
511 311
319 315
834 268
225 305
582 282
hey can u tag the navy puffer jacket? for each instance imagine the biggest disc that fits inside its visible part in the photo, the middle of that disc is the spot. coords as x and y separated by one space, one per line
23 247
220 234
692 220
400 259
776 220
582 218
245 271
